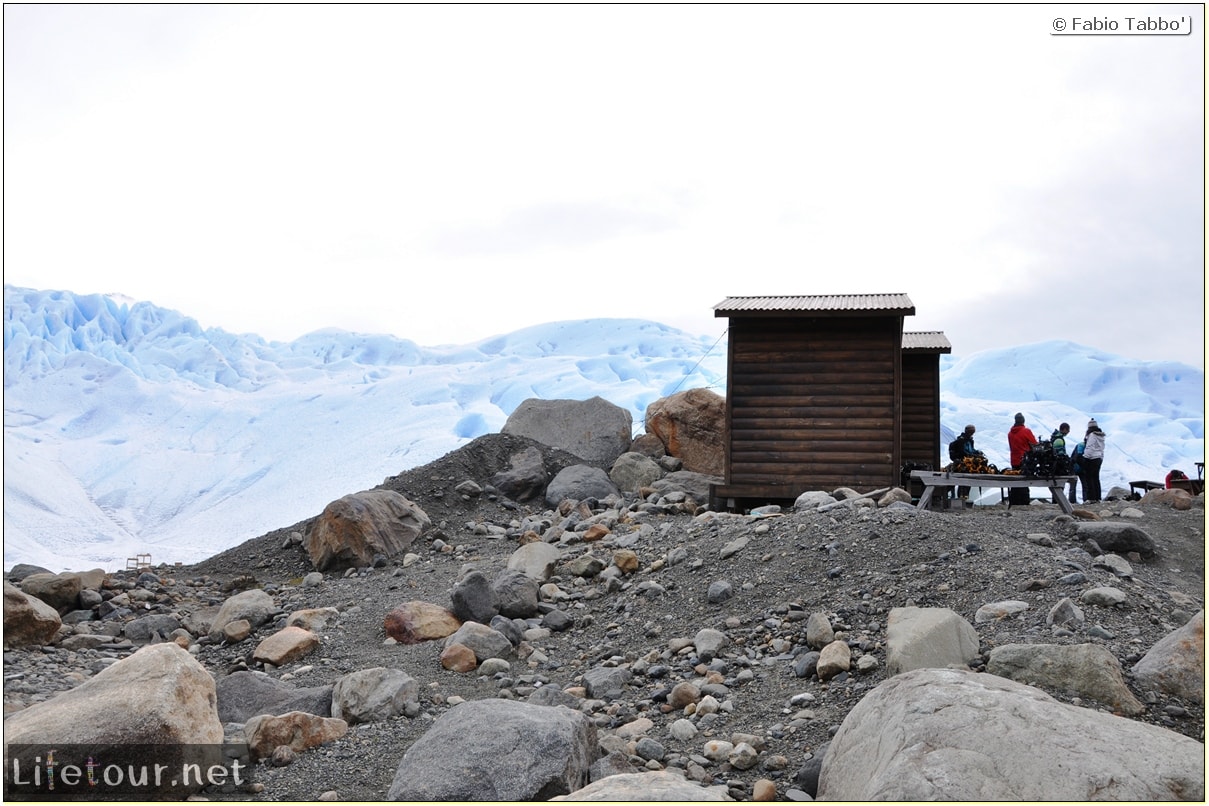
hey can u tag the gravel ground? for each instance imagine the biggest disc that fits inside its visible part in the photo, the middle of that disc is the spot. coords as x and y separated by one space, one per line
853 565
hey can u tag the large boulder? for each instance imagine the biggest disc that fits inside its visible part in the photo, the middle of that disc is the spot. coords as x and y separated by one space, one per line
692 427
243 695
1176 664
595 429
1089 670
152 710
578 482
158 695
355 529
948 734
27 619
60 591
500 750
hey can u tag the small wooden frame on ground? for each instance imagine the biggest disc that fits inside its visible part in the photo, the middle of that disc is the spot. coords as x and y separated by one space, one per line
139 562
931 479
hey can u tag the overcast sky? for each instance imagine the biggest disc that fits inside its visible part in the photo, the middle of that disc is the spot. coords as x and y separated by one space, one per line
448 173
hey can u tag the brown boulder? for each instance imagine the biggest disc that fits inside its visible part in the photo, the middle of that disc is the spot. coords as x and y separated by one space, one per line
60 591
296 730
158 695
1174 498
354 529
459 658
692 427
413 622
27 619
286 645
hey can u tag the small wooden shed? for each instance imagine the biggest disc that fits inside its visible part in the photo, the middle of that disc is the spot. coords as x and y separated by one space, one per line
921 399
813 394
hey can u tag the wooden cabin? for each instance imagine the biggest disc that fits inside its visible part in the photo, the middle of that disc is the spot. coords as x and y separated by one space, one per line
813 395
921 448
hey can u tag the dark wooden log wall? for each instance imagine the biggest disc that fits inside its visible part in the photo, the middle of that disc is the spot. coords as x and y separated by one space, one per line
813 403
921 410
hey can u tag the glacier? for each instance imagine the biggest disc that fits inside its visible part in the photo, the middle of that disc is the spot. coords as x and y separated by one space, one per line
130 429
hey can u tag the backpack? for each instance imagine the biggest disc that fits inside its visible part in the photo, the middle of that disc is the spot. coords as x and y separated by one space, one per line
957 449
1041 461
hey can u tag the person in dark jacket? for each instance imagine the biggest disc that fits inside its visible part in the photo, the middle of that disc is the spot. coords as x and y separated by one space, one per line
961 449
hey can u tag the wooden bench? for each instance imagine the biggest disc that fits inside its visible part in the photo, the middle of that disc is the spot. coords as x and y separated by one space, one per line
931 480
1144 486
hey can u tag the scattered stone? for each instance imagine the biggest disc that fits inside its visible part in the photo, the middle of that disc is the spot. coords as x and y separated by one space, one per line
371 695
253 606
286 646
918 637
415 621
834 658
719 591
297 730
997 611
1103 597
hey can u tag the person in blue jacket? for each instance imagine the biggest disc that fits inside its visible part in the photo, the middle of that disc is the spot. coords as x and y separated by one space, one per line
1076 469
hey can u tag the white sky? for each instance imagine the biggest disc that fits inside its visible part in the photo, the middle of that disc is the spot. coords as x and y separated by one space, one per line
447 173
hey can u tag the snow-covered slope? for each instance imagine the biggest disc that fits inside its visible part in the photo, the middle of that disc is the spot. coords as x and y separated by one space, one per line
131 429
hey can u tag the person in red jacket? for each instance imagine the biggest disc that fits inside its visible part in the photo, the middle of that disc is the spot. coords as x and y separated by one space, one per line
1020 439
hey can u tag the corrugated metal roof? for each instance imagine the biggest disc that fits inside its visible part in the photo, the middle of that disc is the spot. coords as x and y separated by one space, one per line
818 303
926 341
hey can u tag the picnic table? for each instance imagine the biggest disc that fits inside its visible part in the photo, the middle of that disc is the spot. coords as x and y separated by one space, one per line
933 479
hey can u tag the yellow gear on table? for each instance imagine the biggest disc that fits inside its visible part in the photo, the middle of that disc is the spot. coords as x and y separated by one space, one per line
973 464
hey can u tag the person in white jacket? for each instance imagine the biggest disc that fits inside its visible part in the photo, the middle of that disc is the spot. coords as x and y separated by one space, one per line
1093 458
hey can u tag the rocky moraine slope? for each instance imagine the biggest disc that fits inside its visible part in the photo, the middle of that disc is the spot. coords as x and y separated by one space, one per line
715 650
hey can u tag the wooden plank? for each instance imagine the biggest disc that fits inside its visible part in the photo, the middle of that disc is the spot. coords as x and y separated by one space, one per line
1056 485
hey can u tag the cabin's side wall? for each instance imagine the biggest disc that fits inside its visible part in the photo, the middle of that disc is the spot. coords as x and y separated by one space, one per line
813 403
921 409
